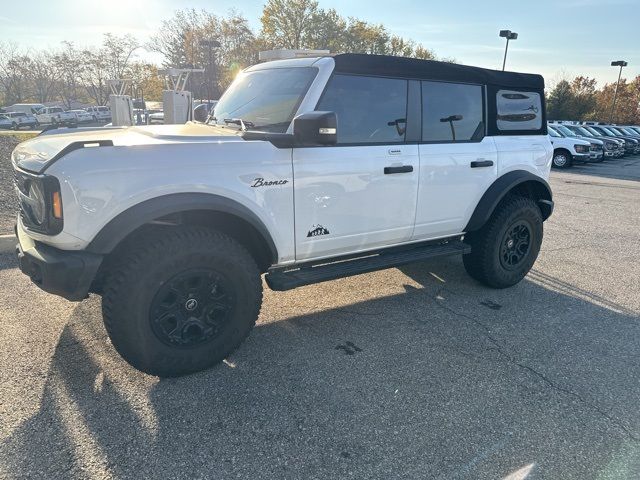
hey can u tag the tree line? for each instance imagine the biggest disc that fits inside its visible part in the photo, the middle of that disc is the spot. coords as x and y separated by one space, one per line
581 99
73 74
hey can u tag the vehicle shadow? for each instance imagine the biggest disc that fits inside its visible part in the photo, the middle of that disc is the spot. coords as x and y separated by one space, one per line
446 380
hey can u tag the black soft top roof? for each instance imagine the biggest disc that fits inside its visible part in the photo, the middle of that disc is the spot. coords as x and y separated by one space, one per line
389 66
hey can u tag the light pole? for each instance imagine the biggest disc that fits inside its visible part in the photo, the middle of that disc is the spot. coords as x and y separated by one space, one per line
211 44
621 64
509 35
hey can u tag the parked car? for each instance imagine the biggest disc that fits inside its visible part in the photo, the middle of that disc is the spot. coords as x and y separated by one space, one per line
631 145
628 133
28 108
622 150
82 116
612 148
567 150
21 120
100 114
56 116
596 150
156 118
395 160
5 122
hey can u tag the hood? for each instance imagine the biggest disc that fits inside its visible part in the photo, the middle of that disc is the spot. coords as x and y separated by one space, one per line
37 154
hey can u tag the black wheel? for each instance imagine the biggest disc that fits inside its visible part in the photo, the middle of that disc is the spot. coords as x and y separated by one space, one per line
506 247
54 122
14 126
182 302
562 159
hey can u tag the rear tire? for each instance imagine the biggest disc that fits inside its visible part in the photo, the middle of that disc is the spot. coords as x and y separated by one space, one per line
562 159
506 247
182 302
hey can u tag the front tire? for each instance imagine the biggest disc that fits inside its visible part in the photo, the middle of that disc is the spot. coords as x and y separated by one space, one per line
182 302
562 159
506 247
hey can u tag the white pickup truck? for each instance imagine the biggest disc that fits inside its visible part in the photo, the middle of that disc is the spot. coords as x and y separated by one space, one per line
308 170
56 116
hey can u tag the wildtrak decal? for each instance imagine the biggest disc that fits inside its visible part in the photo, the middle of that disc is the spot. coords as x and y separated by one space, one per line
261 182
317 230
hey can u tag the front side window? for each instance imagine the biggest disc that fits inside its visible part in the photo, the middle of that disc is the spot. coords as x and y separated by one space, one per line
451 112
519 110
264 100
369 109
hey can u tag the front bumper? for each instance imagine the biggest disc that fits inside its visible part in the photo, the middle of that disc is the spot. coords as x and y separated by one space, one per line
581 157
66 273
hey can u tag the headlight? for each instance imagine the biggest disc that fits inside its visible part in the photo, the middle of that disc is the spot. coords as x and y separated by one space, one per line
40 202
610 146
581 148
36 204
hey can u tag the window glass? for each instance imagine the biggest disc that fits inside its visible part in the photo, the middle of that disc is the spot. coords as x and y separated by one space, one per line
265 99
553 133
369 109
519 110
451 112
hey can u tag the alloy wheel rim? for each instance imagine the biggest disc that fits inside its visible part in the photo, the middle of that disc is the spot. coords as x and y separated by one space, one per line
515 245
192 308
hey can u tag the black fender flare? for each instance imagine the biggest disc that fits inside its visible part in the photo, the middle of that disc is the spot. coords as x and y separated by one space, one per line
501 187
138 215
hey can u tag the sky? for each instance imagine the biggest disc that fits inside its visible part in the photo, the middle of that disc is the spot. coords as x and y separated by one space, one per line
558 39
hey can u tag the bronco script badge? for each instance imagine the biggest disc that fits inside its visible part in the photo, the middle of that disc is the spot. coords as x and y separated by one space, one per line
261 182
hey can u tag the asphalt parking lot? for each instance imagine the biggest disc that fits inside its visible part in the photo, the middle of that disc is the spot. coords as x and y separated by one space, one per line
416 372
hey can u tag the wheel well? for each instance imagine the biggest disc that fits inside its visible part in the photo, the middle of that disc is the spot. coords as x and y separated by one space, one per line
535 191
562 149
237 228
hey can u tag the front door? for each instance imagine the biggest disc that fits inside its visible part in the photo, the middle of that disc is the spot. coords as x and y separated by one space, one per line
361 193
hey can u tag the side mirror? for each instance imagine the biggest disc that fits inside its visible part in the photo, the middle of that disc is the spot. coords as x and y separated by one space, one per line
315 128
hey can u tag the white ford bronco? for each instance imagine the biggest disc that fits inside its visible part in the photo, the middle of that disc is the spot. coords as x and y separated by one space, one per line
308 170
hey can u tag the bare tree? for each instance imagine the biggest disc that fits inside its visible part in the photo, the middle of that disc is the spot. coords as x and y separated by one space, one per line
12 78
69 66
42 76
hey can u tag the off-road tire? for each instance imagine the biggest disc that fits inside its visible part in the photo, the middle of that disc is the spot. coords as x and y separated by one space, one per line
484 263
132 287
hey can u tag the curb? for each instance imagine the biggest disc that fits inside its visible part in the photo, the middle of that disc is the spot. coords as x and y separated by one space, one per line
8 243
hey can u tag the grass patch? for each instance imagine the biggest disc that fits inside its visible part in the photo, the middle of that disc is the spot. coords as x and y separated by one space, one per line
20 136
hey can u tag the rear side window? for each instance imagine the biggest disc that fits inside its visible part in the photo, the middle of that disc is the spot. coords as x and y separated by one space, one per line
452 112
369 109
519 110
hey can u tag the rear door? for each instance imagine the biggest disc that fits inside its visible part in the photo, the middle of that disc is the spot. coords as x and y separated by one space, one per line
361 193
457 161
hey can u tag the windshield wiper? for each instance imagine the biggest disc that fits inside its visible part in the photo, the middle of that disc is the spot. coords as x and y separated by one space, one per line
238 121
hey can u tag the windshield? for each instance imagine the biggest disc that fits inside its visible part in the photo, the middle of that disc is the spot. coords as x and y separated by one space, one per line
553 133
584 131
565 130
265 100
609 132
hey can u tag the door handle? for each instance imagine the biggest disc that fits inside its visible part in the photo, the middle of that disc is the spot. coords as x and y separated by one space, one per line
481 163
401 169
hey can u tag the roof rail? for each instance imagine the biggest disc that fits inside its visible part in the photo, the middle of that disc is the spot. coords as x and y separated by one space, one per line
285 54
